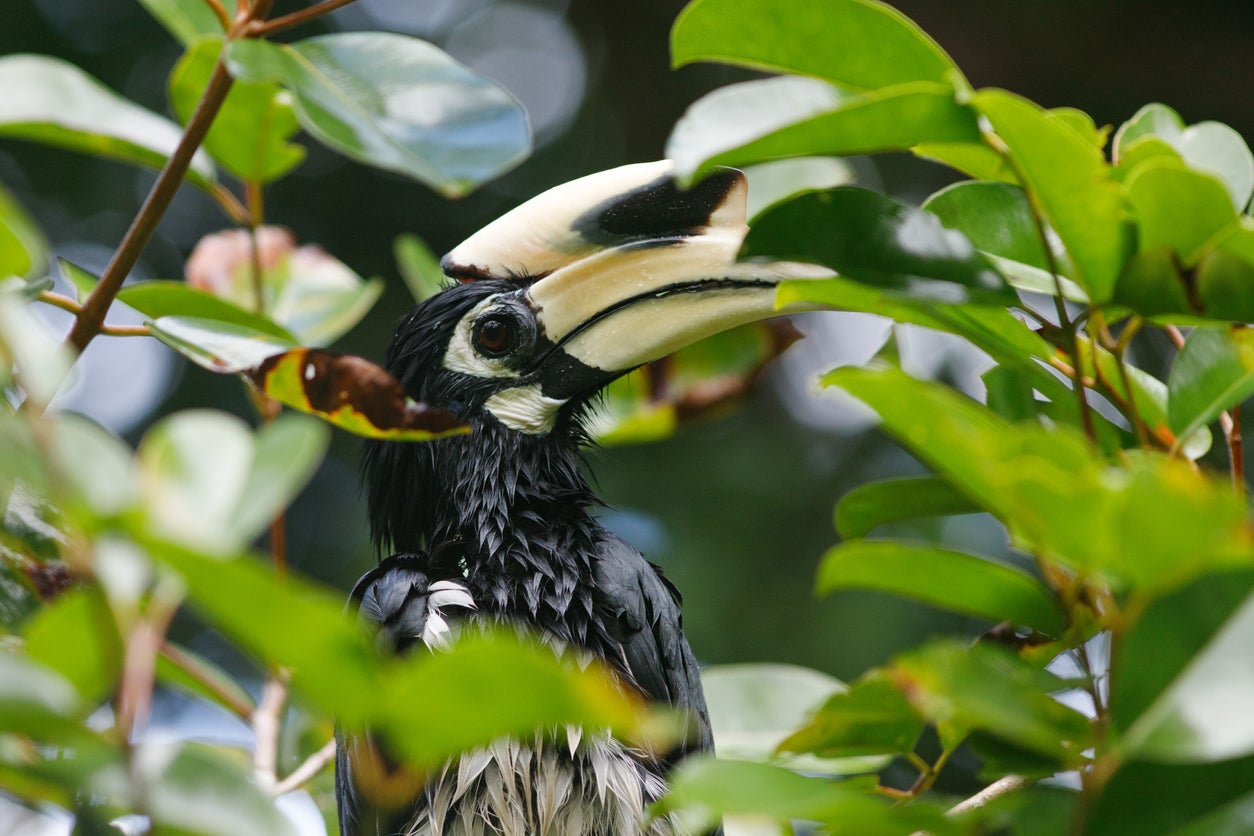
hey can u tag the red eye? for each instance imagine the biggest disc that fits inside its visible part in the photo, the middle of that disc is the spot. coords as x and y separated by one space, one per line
495 335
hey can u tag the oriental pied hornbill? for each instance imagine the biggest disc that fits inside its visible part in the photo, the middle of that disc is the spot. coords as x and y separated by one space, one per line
556 298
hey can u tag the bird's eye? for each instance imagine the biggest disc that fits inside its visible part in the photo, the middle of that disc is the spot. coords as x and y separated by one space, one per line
495 334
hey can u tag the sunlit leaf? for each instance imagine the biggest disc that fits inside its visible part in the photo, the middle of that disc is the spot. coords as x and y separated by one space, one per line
249 135
1178 209
51 101
187 21
876 240
1070 181
419 266
394 102
871 717
951 580
76 636
1213 372
23 248
218 346
868 506
862 44
977 160
352 393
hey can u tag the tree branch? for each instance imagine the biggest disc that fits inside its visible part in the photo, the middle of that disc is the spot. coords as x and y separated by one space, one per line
307 771
296 18
266 724
994 791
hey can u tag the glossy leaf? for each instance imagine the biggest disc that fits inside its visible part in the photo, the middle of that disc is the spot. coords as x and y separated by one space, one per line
876 240
187 21
862 44
1210 147
775 118
869 506
394 102
1071 182
977 160
419 266
77 637
249 136
1152 522
777 180
1178 209
872 717
23 248
754 707
157 299
1213 372
50 101
951 580
352 393
221 347
989 689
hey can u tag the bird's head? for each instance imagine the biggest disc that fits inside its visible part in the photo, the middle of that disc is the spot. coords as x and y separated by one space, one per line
557 298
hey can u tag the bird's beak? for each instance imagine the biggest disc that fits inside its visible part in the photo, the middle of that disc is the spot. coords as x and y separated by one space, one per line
623 267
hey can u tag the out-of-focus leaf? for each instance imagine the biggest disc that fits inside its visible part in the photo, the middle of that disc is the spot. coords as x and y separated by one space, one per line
871 718
754 707
1202 715
51 101
868 506
94 466
805 117
174 675
33 699
874 239
352 393
305 290
23 248
1211 147
1070 180
419 266
76 636
1155 799
158 299
1152 521
249 135
1008 392
84 282
288 452
703 790
653 401
951 580
862 44
187 21
194 789
1214 371
394 102
40 362
220 347
1179 209
989 689
772 182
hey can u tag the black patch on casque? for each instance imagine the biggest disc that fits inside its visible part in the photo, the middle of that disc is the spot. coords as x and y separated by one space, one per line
660 210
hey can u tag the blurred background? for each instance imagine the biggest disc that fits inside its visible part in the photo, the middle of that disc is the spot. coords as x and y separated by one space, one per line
736 508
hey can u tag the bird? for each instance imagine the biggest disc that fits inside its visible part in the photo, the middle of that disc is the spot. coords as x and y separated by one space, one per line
543 308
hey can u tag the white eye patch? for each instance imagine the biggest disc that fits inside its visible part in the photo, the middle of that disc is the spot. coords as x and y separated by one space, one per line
461 355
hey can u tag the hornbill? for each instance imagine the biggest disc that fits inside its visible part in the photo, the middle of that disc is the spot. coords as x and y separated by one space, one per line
554 300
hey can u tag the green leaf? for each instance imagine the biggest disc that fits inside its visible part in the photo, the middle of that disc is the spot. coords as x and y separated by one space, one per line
998 219
776 118
249 135
870 718
1153 521
77 637
874 239
419 266
1070 182
705 789
1201 716
352 393
951 580
1178 209
287 454
187 21
195 789
863 44
869 506
394 102
1210 147
157 299
772 182
989 689
1152 799
754 707
23 248
33 699
1213 372
41 362
221 347
1008 392
977 160
51 101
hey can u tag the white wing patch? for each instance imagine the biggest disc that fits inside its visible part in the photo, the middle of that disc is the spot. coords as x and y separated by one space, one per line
436 633
525 409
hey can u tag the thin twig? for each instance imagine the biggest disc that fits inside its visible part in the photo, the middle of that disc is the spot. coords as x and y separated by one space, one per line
1236 456
187 665
307 771
266 724
231 204
296 18
994 791
58 300
91 318
125 331
139 664
1177 337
